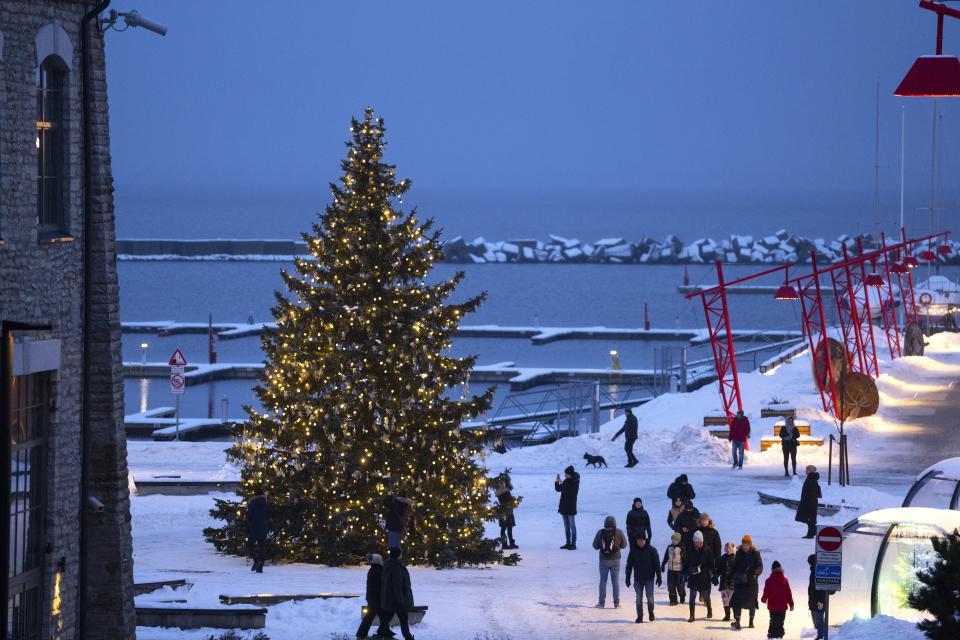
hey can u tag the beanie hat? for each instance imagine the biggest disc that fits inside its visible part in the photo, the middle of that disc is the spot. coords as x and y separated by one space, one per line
776 566
811 469
812 559
683 477
376 558
675 538
636 500
570 470
747 540
642 534
698 536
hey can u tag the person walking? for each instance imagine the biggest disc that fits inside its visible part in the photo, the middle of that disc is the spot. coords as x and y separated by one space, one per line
673 565
739 434
789 442
698 565
681 488
747 567
505 507
397 518
816 600
374 585
686 524
675 510
644 567
258 515
629 431
396 596
608 542
725 572
568 490
810 496
638 522
711 538
777 595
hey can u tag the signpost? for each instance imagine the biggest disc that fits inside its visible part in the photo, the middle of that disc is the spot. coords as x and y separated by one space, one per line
177 382
828 571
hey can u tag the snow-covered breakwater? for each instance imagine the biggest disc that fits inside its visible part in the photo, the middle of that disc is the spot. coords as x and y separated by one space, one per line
778 248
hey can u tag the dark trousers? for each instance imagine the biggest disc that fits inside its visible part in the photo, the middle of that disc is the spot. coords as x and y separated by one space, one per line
628 448
819 621
506 535
387 616
703 592
775 630
675 587
364 628
257 550
790 453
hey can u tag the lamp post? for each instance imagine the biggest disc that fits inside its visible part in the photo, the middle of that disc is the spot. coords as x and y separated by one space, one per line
933 76
143 354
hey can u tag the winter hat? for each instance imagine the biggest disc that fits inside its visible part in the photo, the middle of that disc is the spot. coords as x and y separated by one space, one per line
704 516
675 538
812 559
376 558
570 470
628 410
394 553
683 477
747 540
636 500
609 522
776 566
642 534
698 536
811 469
688 504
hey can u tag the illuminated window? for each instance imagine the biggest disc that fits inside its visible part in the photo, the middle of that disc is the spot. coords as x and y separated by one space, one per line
51 100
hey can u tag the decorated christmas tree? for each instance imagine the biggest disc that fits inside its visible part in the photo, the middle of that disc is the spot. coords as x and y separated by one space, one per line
355 390
939 590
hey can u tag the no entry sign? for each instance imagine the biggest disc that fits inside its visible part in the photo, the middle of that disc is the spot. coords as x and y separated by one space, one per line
828 572
829 539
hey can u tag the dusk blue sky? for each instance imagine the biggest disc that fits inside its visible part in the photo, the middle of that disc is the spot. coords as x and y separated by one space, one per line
732 95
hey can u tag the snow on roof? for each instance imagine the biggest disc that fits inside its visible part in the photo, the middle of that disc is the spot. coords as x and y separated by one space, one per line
949 468
943 518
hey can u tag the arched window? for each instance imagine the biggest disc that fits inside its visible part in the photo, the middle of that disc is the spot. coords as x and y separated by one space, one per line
51 145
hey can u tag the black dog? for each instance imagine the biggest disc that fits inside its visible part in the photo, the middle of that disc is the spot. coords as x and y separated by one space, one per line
596 461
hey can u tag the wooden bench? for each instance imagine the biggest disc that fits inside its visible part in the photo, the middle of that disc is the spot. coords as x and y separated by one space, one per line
184 618
414 616
176 486
270 598
715 421
802 426
146 587
778 411
766 442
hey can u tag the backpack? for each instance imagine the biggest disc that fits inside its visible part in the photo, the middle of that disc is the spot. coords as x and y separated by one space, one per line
608 545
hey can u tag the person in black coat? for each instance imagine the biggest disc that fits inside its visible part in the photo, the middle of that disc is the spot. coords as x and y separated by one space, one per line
638 522
629 431
643 566
698 567
711 537
809 501
789 442
686 524
816 600
725 572
747 567
505 506
397 518
568 490
396 596
258 513
374 586
681 488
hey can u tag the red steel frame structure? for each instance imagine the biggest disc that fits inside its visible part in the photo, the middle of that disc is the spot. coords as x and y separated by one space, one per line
853 304
888 307
911 309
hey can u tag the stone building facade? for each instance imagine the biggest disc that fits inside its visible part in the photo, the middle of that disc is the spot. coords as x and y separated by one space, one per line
69 559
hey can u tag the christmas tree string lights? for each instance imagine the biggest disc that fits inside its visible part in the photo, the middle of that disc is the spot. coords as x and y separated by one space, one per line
354 390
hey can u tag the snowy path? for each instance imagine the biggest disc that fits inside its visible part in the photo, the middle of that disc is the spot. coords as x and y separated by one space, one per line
552 592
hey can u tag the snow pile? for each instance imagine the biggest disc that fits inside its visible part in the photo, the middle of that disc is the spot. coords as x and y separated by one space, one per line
879 627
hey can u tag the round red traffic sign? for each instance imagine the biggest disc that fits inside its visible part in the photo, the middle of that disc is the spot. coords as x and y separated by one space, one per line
177 381
829 539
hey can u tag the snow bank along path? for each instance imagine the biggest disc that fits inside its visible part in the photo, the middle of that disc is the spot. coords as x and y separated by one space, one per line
552 592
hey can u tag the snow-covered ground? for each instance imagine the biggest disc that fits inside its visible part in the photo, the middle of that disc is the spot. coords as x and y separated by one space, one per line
551 593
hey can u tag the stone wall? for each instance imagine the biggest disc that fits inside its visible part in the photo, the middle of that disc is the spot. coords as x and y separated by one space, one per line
41 282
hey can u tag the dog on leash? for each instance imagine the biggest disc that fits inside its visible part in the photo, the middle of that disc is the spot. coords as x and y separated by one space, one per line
596 461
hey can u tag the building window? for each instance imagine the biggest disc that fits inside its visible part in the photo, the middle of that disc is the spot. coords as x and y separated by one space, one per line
51 99
29 416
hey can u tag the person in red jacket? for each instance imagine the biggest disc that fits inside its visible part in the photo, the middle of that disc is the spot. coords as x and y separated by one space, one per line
777 595
739 433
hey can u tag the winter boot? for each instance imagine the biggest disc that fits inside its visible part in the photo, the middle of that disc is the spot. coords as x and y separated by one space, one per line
693 607
709 609
736 623
650 611
639 615
751 618
726 614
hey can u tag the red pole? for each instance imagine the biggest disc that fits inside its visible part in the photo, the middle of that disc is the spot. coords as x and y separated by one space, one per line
855 314
893 338
912 307
823 329
872 353
805 284
729 332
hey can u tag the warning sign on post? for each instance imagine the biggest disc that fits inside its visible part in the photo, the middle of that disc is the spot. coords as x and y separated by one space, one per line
177 359
829 569
177 367
177 383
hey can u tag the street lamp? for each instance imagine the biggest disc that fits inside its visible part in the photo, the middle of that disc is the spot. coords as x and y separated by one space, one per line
614 360
143 353
936 76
